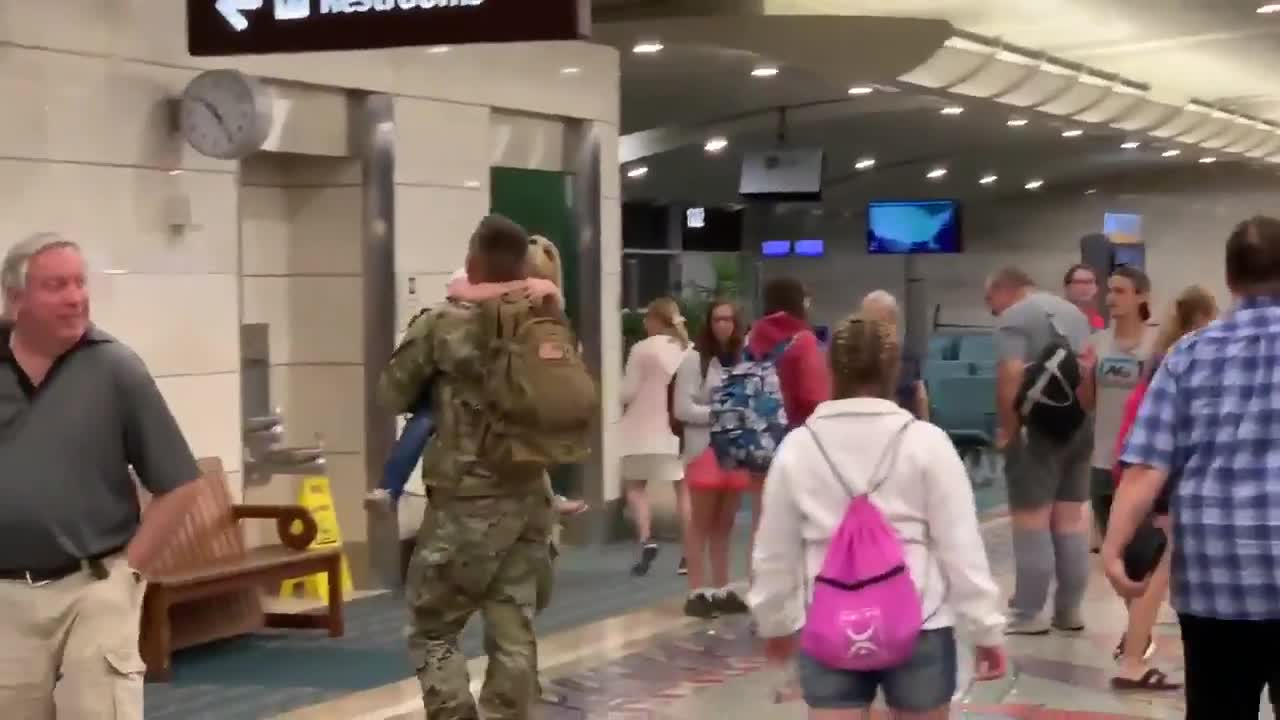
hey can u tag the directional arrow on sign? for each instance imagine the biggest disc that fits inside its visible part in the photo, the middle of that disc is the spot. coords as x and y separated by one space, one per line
233 12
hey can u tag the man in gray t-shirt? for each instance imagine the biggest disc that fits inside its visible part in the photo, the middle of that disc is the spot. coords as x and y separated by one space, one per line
1048 481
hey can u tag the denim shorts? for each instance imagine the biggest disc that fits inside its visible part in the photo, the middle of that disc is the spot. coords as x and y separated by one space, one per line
925 682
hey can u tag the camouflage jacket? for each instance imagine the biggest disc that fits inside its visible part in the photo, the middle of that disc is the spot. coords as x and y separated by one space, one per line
443 347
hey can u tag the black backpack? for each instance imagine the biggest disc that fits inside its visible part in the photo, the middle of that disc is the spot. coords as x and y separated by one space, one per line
1048 402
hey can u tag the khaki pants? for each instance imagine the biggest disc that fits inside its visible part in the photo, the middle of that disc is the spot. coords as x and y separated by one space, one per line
69 648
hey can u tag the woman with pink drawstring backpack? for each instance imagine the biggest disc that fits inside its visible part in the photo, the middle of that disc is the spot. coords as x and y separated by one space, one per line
869 553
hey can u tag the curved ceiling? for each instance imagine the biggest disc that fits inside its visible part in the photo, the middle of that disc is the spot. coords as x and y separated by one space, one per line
1118 74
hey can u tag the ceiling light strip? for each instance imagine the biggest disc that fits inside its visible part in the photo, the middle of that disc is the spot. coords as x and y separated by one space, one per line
1214 128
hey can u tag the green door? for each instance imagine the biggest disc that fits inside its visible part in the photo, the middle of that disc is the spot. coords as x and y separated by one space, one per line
539 200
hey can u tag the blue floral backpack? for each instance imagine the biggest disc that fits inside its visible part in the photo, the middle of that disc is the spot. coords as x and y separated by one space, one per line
748 420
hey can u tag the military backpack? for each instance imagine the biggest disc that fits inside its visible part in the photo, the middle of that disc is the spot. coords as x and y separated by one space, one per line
541 403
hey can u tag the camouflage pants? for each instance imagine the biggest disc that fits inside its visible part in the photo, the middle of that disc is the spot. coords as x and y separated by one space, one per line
486 555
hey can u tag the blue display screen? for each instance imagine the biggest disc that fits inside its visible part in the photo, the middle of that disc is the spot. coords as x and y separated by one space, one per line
904 228
810 248
775 248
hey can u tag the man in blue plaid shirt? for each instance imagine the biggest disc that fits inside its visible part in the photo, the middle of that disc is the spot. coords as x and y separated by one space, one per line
1210 428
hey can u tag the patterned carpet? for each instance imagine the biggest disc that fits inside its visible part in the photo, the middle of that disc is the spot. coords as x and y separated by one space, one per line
260 676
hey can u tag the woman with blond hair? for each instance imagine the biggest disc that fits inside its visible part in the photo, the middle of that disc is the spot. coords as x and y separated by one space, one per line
863 444
649 449
1194 308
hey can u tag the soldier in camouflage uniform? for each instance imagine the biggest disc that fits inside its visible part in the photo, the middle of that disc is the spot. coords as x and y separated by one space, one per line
484 543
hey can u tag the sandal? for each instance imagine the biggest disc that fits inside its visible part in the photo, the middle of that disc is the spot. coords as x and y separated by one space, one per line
1146 655
1151 680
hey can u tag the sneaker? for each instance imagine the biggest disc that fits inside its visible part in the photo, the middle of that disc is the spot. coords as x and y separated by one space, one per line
729 603
648 553
700 606
683 567
1033 626
1068 622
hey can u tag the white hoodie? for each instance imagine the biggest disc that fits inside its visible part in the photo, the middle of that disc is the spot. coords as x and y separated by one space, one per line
927 498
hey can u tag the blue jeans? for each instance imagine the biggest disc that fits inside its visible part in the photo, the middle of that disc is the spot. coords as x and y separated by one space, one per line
927 681
406 452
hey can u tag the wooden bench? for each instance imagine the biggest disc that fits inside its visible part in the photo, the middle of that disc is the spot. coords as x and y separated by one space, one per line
208 585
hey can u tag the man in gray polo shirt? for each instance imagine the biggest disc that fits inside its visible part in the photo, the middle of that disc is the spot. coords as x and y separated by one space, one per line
77 410
1048 481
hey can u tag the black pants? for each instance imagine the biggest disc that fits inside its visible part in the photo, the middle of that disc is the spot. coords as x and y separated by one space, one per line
1225 677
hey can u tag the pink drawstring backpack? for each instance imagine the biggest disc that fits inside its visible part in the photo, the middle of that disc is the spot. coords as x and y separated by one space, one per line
866 613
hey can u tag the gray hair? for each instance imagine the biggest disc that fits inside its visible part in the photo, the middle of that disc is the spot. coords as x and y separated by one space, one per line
882 301
13 273
1010 278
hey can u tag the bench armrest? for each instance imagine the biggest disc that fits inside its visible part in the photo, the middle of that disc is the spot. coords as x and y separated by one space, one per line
294 524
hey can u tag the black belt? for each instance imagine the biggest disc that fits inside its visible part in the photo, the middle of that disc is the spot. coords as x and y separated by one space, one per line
37 577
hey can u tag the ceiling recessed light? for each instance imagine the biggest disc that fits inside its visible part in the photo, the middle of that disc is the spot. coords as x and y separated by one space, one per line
638 171
1016 122
647 48
1131 145
1034 184
865 163
437 49
1268 9
1090 191
936 173
951 110
1171 153
716 144
1072 133
1207 160
861 90
988 179
764 72
570 70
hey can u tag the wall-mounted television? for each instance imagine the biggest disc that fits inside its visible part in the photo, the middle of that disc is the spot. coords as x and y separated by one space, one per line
810 248
909 227
775 248
782 174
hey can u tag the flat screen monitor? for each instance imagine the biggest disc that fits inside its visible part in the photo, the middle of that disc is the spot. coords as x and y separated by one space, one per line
810 248
914 227
775 248
1132 255
782 174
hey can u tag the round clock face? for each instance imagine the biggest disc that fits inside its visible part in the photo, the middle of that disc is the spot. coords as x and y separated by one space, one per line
225 114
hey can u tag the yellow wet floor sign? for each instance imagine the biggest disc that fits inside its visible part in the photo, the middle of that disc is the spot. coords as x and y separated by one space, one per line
318 500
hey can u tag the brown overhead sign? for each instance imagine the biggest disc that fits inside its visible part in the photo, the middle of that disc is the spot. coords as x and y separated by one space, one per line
255 27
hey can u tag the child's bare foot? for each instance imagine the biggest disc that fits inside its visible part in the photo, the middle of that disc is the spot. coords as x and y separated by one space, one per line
379 500
565 506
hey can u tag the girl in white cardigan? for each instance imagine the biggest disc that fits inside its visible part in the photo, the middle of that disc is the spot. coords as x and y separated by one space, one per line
649 450
928 500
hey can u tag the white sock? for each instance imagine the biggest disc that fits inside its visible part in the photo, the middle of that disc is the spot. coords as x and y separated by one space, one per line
705 592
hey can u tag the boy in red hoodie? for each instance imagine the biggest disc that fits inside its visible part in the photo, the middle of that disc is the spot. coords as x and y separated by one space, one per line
803 371
806 383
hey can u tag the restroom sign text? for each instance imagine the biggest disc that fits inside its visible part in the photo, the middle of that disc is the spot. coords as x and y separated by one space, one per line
256 27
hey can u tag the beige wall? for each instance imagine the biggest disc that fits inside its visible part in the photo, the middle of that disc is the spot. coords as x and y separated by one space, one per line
301 270
1186 220
87 148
